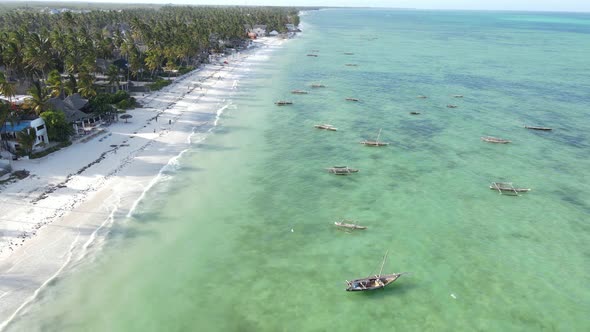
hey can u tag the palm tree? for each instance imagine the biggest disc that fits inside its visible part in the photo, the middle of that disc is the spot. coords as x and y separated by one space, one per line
113 76
38 99
7 89
26 140
86 85
55 84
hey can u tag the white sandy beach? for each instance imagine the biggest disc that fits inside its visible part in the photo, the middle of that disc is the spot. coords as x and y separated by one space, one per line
50 220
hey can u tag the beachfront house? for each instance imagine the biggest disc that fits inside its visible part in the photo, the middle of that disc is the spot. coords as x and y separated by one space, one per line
259 30
10 130
73 107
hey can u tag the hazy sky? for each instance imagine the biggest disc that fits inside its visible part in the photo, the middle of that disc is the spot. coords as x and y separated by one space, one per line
533 5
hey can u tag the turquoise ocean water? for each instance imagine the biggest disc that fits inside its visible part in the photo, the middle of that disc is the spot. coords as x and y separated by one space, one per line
241 237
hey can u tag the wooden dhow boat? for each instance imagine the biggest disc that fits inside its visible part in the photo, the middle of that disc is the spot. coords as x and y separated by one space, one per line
326 127
318 85
373 282
299 92
352 99
508 188
414 113
342 170
538 128
314 55
452 106
457 96
283 103
496 140
346 224
375 142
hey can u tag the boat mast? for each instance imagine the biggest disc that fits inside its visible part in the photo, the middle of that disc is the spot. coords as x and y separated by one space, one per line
383 263
378 135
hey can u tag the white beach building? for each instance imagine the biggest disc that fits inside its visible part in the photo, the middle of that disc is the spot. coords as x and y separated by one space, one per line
9 131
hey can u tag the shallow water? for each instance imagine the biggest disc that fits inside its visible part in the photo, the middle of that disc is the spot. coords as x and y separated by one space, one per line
241 237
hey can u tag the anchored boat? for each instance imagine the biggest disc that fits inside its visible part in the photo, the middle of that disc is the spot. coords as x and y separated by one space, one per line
299 92
373 282
508 188
490 139
283 103
344 224
375 142
538 128
352 99
325 127
342 170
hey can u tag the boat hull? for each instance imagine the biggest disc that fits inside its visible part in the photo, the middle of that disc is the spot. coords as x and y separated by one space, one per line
349 226
372 283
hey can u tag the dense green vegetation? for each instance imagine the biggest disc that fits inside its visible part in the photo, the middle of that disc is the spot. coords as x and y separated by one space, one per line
32 43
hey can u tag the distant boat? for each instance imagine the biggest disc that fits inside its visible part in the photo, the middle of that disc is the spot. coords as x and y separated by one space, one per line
422 97
315 51
318 85
373 282
414 113
351 64
342 170
326 127
283 103
314 55
490 139
299 92
458 96
343 224
348 53
507 188
452 106
538 128
352 99
375 142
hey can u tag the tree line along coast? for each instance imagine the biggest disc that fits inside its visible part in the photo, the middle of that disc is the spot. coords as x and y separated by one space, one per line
66 61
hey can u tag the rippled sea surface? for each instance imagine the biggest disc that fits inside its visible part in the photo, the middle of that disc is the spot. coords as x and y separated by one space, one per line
241 237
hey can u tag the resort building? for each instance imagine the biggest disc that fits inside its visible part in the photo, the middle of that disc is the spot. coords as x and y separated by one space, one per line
10 130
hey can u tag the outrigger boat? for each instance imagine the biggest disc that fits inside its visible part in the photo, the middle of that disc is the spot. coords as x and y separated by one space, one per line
283 103
352 99
538 128
318 85
452 106
343 224
458 96
326 127
414 113
490 139
375 142
342 170
299 92
373 282
508 188
314 55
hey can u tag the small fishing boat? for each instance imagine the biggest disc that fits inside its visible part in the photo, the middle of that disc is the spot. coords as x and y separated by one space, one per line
351 64
508 188
538 128
373 282
318 85
315 51
452 106
348 53
422 97
414 113
352 99
344 224
490 139
457 96
313 55
375 142
299 92
283 103
325 127
342 170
